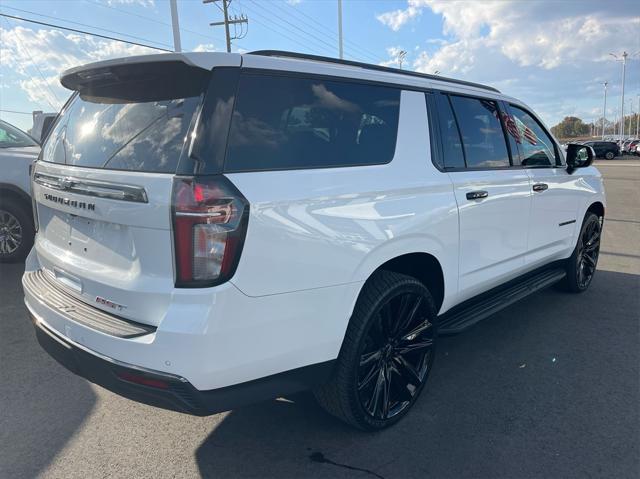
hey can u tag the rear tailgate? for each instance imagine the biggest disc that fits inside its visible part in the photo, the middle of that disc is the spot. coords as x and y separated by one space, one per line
103 186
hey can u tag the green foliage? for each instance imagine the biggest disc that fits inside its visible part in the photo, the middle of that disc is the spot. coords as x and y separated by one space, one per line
570 127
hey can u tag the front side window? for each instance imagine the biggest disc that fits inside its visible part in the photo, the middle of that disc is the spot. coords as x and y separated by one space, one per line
11 137
482 135
288 123
535 144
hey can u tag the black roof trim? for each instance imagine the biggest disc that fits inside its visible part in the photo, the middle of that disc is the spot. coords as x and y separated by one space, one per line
367 66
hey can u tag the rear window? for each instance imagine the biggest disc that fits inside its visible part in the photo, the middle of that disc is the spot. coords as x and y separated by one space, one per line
139 123
290 122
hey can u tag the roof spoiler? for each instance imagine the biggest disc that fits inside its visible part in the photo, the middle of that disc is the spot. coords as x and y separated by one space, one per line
146 77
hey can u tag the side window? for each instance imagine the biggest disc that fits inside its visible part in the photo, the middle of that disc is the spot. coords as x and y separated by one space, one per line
536 145
451 144
482 135
287 122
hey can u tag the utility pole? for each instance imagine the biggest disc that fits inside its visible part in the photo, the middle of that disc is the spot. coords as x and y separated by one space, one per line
177 47
340 50
604 108
401 55
241 20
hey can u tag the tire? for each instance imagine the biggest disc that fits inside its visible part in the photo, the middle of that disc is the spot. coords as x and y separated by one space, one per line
581 265
609 155
16 231
371 366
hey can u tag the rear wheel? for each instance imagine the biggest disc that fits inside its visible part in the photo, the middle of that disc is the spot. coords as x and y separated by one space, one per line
609 155
16 231
387 353
581 266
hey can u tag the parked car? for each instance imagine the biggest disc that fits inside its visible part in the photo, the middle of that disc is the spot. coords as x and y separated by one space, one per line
633 147
218 229
41 125
604 149
17 152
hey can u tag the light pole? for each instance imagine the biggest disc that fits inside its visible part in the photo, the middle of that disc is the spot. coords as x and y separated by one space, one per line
401 55
604 108
638 117
624 68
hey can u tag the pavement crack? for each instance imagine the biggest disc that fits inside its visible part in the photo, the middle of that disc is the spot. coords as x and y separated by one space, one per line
319 457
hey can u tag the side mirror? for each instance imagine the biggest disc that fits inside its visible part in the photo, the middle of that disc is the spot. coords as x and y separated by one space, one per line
578 156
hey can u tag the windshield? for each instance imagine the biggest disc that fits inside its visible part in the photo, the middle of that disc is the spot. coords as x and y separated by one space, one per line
11 137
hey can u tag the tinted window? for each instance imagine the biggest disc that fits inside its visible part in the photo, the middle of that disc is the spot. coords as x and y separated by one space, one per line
285 123
146 136
482 134
11 137
451 144
535 144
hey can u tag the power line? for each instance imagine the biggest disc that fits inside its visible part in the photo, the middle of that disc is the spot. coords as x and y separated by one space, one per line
328 44
354 46
154 20
17 112
313 49
83 32
85 25
35 65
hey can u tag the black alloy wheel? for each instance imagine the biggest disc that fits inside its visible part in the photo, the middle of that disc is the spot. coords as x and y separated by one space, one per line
397 354
588 252
581 266
387 353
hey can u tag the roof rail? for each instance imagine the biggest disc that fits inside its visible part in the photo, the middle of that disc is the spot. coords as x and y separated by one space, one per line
367 66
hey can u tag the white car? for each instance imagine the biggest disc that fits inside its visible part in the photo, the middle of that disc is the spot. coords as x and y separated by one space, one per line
17 152
218 229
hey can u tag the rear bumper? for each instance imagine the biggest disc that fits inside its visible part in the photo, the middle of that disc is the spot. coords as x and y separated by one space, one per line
169 391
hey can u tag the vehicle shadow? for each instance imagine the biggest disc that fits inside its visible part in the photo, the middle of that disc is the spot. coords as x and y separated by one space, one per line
41 406
526 393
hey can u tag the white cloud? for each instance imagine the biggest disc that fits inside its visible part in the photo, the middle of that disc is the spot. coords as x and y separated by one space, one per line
205 47
142 3
543 52
397 18
37 57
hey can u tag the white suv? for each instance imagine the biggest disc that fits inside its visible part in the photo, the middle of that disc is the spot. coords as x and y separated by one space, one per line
217 229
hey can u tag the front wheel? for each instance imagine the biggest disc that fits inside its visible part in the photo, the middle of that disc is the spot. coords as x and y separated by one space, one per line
387 353
581 265
609 155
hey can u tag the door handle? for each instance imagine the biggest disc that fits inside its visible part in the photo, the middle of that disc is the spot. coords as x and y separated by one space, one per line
540 187
477 195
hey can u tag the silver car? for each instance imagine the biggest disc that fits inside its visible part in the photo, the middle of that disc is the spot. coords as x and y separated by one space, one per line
17 151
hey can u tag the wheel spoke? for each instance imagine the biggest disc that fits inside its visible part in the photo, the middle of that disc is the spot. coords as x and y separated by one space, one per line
426 324
589 260
386 392
424 343
368 358
377 392
373 372
407 371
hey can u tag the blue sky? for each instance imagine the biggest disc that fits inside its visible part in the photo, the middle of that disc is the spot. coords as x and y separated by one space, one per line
554 55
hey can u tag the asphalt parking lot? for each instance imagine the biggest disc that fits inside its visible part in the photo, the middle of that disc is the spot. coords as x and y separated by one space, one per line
550 387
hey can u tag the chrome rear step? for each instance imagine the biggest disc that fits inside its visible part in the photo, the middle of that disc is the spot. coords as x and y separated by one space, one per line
45 288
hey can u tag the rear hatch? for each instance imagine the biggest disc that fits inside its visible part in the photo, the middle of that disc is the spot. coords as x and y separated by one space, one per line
103 186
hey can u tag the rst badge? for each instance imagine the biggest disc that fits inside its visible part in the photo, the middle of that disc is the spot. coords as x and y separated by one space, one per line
110 304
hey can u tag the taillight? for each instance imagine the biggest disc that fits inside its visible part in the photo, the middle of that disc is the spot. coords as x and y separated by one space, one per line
210 223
